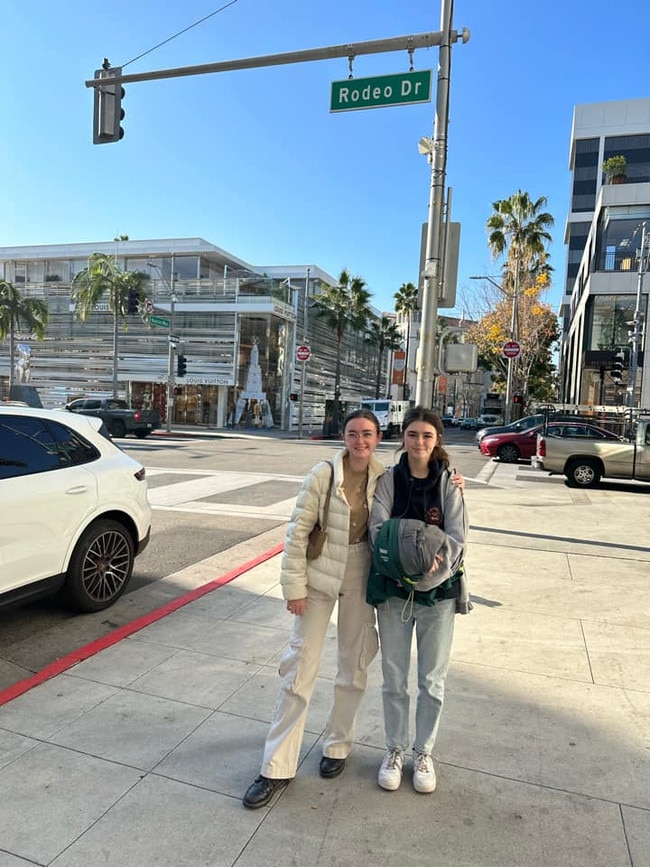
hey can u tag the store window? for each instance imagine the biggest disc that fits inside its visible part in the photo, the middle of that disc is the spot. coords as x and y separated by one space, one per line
607 321
619 237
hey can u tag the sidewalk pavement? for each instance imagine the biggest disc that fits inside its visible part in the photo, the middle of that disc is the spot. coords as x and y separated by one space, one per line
140 753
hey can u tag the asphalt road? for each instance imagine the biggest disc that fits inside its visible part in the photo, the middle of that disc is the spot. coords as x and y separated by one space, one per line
200 512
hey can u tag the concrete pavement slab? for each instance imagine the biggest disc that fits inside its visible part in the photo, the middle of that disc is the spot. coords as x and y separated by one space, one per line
166 823
549 731
637 830
131 728
52 706
55 795
219 756
619 655
199 679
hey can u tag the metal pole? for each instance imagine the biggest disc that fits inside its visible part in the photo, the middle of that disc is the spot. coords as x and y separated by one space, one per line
637 332
301 407
171 377
507 411
432 270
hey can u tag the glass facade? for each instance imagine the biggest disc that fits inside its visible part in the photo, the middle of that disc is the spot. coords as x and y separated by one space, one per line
586 173
636 150
619 237
607 318
237 329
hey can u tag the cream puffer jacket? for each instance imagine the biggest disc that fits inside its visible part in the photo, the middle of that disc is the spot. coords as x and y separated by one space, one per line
326 572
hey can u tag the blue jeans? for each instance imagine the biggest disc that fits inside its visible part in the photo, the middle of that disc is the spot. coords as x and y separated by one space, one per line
434 630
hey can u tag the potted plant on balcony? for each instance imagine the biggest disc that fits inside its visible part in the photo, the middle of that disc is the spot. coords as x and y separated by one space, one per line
615 169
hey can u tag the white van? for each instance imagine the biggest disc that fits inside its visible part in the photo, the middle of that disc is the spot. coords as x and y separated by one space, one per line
390 413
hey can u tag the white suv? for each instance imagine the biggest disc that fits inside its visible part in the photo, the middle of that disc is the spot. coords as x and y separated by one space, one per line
75 509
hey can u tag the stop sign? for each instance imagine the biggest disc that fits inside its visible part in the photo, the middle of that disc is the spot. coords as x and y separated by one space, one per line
511 349
303 353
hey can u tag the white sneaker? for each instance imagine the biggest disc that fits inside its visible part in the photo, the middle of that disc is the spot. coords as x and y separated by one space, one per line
424 774
390 773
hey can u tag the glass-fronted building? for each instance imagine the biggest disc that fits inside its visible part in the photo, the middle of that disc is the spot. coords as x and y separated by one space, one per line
237 325
603 234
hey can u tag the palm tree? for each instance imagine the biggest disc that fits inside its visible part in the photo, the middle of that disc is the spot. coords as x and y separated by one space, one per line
340 306
19 312
518 228
406 302
384 334
103 277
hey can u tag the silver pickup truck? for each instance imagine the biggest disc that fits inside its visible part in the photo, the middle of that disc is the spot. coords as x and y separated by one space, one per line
585 462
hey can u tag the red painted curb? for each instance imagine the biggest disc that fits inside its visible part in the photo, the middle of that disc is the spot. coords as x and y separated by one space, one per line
66 662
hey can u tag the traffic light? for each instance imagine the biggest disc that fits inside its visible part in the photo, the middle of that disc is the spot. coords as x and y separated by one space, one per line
107 106
293 396
181 365
518 398
618 366
133 303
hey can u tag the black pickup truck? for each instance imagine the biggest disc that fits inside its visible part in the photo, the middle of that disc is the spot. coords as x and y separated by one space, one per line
116 415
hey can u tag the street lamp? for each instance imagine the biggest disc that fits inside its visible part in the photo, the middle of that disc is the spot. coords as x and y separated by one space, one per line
513 336
171 378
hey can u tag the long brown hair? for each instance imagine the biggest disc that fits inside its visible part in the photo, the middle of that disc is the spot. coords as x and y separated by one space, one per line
421 413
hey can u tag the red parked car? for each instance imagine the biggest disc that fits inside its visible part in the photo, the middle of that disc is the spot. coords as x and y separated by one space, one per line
511 447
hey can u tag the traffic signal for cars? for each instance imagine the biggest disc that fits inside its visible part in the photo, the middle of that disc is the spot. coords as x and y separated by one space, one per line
518 398
133 302
107 107
618 366
293 396
181 365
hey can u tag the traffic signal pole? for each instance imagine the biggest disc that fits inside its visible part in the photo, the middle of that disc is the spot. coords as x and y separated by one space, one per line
349 50
433 276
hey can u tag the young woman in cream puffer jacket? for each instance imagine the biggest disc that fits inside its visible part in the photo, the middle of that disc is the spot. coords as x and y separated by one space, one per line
312 588
327 571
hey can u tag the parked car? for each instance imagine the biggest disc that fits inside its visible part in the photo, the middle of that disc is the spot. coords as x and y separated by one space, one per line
522 424
468 423
510 447
76 509
116 415
447 420
584 463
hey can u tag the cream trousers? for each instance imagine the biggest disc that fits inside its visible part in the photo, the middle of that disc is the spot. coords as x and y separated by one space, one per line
357 646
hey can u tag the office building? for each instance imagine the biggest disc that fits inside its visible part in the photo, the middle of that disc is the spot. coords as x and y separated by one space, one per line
604 276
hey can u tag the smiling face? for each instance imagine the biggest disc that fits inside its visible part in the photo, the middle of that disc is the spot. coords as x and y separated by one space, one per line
420 439
361 436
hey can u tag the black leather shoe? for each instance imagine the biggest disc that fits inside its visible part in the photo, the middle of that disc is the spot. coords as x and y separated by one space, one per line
261 791
330 768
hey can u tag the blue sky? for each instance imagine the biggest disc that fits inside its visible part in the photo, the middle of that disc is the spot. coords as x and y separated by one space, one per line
254 162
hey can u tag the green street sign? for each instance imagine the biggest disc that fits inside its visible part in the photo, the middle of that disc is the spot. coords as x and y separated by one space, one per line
404 88
159 320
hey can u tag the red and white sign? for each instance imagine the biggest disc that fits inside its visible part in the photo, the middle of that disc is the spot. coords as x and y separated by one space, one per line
303 353
511 349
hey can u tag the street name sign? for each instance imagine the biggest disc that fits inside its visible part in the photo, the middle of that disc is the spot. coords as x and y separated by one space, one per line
511 349
159 320
403 88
